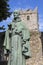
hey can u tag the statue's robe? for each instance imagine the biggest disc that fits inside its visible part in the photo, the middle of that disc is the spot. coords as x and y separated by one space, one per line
18 44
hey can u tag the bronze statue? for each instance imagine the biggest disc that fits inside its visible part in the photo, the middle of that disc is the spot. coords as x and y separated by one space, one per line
16 43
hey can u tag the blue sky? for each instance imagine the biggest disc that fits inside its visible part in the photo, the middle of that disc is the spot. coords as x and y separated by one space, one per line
26 4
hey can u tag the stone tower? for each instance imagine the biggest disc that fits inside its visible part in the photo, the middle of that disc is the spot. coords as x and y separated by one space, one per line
30 18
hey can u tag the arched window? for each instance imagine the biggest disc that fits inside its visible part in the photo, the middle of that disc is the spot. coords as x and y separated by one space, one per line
28 17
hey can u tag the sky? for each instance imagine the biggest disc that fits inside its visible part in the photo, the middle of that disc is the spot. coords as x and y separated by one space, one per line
25 4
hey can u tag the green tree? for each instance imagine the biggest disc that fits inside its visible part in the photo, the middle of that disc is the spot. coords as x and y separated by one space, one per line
4 10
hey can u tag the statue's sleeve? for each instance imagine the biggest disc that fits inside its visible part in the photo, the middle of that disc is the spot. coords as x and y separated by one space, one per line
6 42
26 34
26 44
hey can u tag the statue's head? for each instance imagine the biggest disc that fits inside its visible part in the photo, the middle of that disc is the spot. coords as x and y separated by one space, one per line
16 14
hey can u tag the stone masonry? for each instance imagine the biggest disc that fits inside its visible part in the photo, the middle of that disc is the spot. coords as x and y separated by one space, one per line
30 18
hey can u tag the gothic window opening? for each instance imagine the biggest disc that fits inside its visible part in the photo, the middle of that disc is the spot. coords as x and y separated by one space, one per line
28 18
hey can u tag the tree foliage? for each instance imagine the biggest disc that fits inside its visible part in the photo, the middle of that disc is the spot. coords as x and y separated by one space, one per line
4 10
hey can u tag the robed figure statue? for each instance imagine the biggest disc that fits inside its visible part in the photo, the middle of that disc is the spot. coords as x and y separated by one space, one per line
16 43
